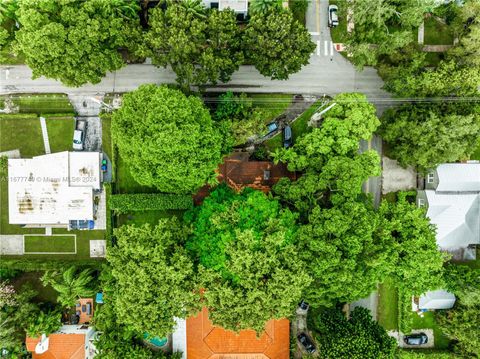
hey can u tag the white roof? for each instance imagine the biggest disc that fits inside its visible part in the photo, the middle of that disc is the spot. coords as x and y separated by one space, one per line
437 299
457 218
179 337
40 190
459 177
235 5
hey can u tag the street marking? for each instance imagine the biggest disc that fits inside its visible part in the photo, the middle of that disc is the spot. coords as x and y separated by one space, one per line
317 11
7 73
326 47
331 48
318 47
314 33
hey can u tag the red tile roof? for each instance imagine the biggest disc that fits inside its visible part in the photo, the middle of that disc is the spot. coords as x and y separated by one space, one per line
60 346
205 341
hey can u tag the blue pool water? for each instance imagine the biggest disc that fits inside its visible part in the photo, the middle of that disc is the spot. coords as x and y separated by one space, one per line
158 342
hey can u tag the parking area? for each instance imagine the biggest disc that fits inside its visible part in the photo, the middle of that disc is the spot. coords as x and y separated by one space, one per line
401 344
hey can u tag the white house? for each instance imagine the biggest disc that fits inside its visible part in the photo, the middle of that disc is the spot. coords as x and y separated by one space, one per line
53 189
452 198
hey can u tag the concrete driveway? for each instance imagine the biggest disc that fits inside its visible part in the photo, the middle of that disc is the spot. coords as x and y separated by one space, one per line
401 344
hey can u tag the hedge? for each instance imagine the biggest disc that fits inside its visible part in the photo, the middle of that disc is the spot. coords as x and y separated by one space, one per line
107 187
19 116
34 265
123 203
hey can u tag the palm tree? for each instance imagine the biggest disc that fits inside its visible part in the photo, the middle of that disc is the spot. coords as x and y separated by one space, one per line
69 285
194 7
44 323
259 7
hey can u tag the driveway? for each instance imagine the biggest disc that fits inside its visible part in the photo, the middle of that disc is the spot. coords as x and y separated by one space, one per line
401 344
88 109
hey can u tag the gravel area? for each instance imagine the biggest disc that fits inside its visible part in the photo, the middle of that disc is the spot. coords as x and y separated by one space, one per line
396 178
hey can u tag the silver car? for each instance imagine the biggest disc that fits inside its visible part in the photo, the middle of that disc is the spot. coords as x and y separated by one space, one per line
332 15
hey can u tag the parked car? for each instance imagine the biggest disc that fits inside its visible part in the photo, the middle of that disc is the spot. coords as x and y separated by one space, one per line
416 339
272 127
79 135
306 343
332 16
303 305
287 137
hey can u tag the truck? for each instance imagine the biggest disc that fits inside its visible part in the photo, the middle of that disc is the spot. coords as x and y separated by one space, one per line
79 134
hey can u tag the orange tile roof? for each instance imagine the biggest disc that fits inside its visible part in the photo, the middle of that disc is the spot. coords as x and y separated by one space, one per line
60 346
205 341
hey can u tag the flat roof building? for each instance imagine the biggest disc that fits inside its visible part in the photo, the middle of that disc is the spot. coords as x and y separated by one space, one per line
53 189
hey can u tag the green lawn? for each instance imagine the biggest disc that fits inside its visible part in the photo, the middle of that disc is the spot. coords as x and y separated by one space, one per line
45 103
106 135
125 183
388 305
32 280
428 321
60 133
141 217
21 133
437 33
63 244
271 105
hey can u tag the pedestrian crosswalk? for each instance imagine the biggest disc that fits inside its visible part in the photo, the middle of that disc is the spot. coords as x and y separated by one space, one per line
327 47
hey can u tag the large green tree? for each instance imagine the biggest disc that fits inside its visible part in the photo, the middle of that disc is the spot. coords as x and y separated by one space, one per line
70 284
464 282
425 135
461 325
357 337
169 139
75 42
248 262
153 276
276 44
199 48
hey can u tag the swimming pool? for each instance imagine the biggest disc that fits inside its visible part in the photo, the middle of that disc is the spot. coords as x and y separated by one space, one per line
156 341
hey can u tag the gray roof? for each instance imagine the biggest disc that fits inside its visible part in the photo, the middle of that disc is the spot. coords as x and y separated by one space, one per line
437 299
459 177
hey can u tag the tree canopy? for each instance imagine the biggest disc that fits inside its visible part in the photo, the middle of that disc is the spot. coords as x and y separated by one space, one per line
169 139
248 263
357 337
464 282
153 276
75 42
200 47
426 135
276 44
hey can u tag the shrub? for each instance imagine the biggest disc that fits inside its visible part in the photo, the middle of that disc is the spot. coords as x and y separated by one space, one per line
123 203
35 265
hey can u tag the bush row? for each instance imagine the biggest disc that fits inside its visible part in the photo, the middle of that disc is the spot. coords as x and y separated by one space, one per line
33 265
107 187
123 203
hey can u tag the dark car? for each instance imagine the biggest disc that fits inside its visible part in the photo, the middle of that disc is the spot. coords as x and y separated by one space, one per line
416 339
306 343
287 137
303 305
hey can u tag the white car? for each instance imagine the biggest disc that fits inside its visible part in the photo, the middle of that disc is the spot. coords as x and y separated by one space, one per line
332 15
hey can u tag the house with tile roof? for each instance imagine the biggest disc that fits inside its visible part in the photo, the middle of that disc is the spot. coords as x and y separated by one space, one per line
198 338
452 199
69 342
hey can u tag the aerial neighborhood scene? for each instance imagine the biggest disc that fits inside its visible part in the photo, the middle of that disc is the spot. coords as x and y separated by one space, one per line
239 179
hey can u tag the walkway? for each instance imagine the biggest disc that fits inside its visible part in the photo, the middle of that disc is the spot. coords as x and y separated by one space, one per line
46 142
11 154
11 244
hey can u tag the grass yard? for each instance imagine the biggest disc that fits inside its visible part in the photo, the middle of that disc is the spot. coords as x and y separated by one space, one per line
139 218
45 103
125 183
437 33
428 321
388 305
106 135
32 279
50 244
60 133
271 105
23 133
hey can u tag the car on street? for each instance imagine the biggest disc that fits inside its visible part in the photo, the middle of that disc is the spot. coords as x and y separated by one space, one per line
332 15
306 343
287 137
415 339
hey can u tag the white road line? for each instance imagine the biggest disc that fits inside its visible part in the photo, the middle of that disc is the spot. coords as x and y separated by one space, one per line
331 48
318 47
326 47
7 73
314 33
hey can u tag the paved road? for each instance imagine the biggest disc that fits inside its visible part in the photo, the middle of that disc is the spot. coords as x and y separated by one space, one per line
328 72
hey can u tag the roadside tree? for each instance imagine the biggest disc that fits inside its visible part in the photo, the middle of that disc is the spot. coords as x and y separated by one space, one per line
276 44
76 42
169 139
